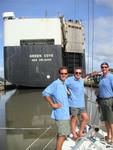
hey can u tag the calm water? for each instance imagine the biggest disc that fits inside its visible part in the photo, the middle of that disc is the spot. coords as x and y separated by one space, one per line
25 122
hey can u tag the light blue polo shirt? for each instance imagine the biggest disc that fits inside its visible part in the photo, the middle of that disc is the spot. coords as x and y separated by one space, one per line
76 88
57 90
106 86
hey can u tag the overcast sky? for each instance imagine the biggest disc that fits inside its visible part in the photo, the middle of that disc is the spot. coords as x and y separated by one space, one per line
96 15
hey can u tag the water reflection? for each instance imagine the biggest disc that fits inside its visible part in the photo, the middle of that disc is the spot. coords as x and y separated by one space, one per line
27 109
26 118
25 122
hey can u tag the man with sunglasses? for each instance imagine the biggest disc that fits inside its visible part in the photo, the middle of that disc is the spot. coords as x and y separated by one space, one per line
105 100
56 95
75 84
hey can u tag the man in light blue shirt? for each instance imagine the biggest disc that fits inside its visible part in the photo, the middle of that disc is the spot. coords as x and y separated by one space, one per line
77 91
56 95
106 86
77 101
105 100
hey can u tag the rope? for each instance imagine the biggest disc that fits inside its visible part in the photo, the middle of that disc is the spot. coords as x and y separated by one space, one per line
49 143
22 128
38 138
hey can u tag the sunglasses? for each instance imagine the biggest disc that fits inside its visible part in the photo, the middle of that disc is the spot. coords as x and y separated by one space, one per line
78 72
104 67
63 73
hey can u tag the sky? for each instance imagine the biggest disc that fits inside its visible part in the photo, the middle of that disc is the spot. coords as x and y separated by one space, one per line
96 16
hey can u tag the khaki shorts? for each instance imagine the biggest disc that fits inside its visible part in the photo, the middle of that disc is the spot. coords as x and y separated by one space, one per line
63 127
77 111
107 109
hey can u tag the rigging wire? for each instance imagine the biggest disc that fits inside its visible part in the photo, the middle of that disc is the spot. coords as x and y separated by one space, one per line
87 64
75 3
92 54
88 54
38 137
49 143
92 35
88 40
90 49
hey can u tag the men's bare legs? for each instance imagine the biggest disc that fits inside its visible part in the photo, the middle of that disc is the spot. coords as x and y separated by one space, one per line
74 121
60 141
84 121
109 128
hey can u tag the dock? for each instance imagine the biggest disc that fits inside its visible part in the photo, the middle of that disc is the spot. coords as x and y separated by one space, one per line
6 85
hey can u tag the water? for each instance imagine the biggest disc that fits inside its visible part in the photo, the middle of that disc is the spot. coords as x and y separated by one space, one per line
25 122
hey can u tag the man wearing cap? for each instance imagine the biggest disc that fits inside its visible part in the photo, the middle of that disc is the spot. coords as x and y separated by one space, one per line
105 99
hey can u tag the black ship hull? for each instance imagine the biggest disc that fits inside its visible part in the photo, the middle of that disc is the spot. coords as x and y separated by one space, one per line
32 65
37 65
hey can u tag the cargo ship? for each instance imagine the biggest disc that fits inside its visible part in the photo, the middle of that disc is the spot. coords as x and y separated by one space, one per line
35 48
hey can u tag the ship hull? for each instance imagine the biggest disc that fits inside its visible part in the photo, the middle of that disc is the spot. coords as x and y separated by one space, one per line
32 65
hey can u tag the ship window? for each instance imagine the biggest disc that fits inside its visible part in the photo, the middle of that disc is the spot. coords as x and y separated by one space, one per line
77 27
37 42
